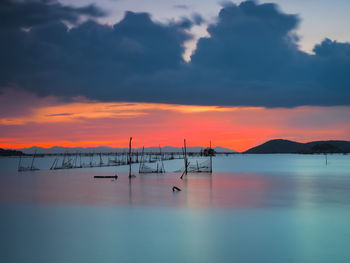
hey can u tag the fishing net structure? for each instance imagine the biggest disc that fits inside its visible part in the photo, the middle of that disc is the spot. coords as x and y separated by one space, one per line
196 166
157 167
199 167
115 161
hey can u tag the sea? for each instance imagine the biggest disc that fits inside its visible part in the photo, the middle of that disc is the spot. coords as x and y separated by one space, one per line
271 208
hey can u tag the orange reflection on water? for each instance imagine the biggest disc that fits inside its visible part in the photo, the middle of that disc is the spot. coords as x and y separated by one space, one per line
198 191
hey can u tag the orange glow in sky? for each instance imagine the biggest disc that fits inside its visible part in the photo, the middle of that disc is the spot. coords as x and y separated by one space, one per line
47 122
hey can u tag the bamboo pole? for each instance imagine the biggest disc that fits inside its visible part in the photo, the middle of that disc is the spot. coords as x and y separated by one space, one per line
161 158
141 162
32 165
130 157
185 159
19 164
185 156
211 160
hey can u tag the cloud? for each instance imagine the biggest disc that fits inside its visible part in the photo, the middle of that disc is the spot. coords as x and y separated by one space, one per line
333 67
90 59
247 34
31 13
181 6
59 114
251 58
197 19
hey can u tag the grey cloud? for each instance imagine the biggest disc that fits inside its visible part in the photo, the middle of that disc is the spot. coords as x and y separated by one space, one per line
181 6
251 58
91 59
31 13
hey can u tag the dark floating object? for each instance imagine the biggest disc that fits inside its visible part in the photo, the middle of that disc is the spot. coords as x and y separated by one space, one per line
176 189
106 176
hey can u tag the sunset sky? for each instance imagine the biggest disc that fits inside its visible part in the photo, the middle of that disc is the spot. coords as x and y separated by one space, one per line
78 73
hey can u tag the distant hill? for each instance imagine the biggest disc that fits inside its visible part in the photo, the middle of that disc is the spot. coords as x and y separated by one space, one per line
220 149
104 149
5 152
285 146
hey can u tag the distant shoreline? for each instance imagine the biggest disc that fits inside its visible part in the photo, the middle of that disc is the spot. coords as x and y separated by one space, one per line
315 147
276 146
107 150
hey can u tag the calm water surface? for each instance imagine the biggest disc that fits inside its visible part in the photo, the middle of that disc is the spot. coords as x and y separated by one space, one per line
253 208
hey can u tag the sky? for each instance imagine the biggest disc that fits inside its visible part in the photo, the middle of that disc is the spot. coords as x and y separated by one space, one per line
83 73
319 18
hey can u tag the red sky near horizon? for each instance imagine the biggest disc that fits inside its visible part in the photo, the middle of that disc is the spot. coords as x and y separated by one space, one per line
27 120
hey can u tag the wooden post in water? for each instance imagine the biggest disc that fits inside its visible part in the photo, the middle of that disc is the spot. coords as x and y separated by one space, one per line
54 164
130 157
185 159
185 156
101 162
211 160
19 164
141 162
161 158
32 165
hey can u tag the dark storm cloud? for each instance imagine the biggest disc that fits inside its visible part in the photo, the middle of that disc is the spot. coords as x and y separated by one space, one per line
35 12
250 58
333 64
247 37
91 59
187 23
197 19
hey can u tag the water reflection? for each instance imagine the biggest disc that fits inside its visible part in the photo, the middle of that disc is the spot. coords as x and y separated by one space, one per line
199 191
130 191
284 208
